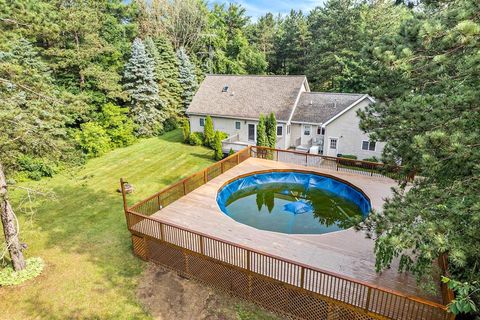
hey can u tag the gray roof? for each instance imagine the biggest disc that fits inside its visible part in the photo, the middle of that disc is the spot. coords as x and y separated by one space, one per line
247 96
319 107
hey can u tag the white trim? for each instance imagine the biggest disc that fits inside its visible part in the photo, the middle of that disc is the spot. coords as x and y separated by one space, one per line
366 96
227 117
307 88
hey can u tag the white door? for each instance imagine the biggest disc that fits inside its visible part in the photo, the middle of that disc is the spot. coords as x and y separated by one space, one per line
332 147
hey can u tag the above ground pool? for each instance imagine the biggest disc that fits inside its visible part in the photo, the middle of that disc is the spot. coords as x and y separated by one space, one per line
293 202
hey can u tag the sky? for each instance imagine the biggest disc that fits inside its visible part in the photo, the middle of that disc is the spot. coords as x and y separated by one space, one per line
257 8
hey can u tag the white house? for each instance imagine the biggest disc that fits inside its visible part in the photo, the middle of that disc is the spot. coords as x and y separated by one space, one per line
321 122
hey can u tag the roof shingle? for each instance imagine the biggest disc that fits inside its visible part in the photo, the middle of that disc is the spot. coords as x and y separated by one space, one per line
247 96
319 107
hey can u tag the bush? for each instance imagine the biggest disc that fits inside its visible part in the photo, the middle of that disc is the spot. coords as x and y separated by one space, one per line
196 139
230 152
186 130
218 155
348 156
209 133
9 277
372 159
117 124
223 135
35 168
170 124
93 139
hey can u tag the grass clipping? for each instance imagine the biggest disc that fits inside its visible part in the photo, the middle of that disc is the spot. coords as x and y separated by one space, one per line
9 277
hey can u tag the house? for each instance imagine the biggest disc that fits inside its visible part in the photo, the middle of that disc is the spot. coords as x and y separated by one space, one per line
317 122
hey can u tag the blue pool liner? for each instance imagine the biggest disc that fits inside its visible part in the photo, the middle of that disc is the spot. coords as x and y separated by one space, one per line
308 180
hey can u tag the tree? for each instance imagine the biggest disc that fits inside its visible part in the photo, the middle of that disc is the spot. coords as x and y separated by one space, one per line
140 83
431 126
186 130
271 130
262 139
338 35
209 133
187 78
217 146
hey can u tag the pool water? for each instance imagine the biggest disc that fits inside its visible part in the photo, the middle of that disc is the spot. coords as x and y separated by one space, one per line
293 202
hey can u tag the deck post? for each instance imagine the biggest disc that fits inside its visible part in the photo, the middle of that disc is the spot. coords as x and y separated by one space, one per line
124 195
369 295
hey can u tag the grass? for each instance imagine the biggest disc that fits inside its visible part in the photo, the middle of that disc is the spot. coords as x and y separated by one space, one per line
82 237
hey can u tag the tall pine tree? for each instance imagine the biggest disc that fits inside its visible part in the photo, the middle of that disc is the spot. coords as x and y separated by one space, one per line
141 85
186 78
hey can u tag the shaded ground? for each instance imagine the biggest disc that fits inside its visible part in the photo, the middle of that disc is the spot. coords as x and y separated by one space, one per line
168 296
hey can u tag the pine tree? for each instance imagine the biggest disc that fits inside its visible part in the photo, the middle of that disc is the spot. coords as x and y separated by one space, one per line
186 78
217 146
167 76
262 140
271 130
209 133
186 130
140 83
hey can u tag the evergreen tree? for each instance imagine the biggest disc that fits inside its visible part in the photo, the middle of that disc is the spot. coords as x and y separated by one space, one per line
186 130
208 132
187 78
167 75
140 83
271 130
262 139
217 146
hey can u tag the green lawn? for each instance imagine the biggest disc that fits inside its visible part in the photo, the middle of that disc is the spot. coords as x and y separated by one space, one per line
90 271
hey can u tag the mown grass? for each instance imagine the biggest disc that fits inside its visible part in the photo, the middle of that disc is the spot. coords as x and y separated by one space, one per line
82 237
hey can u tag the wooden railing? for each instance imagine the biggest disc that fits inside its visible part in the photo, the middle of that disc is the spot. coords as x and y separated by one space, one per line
368 168
277 283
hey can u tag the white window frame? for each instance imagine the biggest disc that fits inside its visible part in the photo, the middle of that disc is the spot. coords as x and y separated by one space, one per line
330 143
239 125
202 120
305 129
368 146
280 135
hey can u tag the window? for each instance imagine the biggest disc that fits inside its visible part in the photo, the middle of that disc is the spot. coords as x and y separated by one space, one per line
202 122
237 125
333 143
306 130
279 131
368 145
320 130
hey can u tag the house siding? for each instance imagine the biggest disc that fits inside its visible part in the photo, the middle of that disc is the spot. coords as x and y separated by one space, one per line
228 126
346 129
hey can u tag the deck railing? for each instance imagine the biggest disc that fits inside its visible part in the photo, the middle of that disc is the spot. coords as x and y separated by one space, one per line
291 288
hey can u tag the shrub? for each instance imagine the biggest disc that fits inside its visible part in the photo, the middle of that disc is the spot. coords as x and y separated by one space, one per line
34 168
262 139
218 155
271 130
170 124
117 124
186 130
372 159
209 133
9 277
347 156
93 139
196 139
223 135
230 152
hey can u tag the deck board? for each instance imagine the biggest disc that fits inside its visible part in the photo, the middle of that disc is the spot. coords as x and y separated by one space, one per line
345 252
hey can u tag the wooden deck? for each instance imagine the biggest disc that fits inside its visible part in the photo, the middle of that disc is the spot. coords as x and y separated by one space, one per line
345 252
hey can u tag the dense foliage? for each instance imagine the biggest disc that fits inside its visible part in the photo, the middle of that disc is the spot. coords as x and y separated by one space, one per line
78 78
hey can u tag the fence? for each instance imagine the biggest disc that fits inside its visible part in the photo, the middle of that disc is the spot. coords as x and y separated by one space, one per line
293 289
375 169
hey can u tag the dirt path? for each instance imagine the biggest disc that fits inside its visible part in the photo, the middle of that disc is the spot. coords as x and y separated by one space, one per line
166 296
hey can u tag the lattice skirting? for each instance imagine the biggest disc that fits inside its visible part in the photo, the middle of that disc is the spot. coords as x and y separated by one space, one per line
289 301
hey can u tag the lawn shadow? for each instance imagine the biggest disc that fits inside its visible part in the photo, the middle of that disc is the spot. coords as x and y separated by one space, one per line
207 156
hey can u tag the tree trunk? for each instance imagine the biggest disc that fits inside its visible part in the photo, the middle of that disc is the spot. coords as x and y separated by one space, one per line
9 226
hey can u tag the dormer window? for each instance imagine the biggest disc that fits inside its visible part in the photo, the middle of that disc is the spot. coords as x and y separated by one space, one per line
225 89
